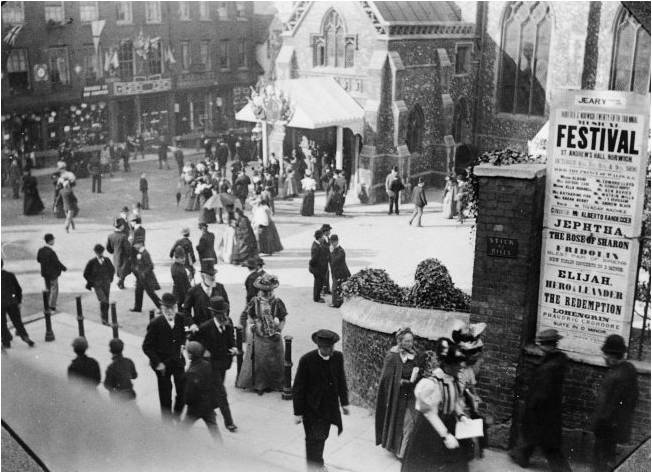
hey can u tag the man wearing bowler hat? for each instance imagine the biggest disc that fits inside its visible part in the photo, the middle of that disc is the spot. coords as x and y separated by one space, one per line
181 276
326 255
318 266
216 335
541 426
99 274
318 391
198 297
189 253
612 420
162 344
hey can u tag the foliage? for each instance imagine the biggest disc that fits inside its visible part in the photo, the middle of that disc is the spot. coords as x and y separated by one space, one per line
505 157
433 288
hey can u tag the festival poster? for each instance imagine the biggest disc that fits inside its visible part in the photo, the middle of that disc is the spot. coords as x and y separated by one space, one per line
595 184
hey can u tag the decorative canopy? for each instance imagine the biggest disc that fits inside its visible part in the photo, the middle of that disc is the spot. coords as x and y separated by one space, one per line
317 102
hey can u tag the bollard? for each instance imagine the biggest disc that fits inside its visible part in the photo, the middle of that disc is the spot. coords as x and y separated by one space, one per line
287 388
80 317
151 315
114 321
238 344
49 334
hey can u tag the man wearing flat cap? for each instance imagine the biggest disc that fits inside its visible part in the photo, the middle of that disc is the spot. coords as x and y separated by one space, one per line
200 392
162 344
198 297
118 245
318 391
614 410
189 253
216 335
541 426
99 274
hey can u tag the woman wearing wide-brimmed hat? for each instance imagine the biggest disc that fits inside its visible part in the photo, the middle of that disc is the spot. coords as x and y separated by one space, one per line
262 368
265 230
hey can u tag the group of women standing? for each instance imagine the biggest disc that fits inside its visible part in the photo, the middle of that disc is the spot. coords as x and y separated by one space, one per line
421 397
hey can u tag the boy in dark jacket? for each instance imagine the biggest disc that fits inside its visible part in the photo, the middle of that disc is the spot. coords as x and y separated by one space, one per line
84 368
200 394
120 373
144 187
419 201
99 274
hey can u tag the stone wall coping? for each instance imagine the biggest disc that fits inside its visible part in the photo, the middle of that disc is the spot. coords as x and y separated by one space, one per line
515 171
642 367
425 323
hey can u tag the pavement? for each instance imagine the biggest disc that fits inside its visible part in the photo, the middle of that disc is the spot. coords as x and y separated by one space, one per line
266 432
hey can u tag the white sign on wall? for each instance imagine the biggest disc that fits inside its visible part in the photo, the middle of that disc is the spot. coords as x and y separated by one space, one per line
595 184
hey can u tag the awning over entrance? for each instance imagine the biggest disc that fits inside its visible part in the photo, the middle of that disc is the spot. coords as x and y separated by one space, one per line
318 102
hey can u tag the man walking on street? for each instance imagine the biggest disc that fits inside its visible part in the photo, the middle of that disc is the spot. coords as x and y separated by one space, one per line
163 153
95 170
200 392
198 298
145 278
542 417
216 335
206 245
118 245
163 343
51 269
614 411
181 277
318 391
186 245
178 156
12 297
317 266
419 201
99 273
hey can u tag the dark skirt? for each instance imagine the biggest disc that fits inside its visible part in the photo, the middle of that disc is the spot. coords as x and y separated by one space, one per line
334 203
262 367
268 239
308 204
426 451
192 200
58 206
32 204
207 215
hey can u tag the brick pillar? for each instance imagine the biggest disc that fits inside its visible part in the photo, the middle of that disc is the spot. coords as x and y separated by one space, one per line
506 280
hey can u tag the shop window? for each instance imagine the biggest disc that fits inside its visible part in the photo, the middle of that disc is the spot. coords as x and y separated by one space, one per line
124 13
18 71
630 70
204 11
185 55
415 126
126 60
54 12
222 11
184 11
242 52
154 58
88 11
224 54
204 54
463 58
91 64
59 68
13 13
525 47
349 52
152 12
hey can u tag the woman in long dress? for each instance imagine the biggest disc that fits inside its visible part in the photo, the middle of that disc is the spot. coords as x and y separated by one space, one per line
449 204
57 205
192 199
245 239
309 185
268 239
432 445
69 203
290 183
395 401
226 243
32 203
263 365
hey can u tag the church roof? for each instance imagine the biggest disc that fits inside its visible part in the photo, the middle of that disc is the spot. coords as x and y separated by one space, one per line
416 12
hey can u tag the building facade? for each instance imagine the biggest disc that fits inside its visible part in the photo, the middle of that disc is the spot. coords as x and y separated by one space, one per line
92 71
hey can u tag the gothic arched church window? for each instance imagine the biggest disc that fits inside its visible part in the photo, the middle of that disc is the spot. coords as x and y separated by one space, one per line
630 69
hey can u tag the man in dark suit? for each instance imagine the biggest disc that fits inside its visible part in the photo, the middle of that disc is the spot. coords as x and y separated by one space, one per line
206 245
317 266
216 335
99 273
189 252
162 345
145 278
51 269
118 245
181 276
138 231
12 297
198 297
318 391
326 249
339 269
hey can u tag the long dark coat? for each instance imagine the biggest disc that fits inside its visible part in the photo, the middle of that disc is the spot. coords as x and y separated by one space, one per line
206 247
218 344
99 275
542 418
616 402
200 390
197 301
186 244
162 343
144 270
312 395
339 269
32 203
180 282
118 245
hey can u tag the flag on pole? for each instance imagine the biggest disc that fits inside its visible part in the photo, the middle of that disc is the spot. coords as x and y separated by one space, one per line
12 34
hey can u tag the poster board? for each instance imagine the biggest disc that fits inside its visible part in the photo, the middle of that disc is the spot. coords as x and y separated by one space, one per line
595 184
